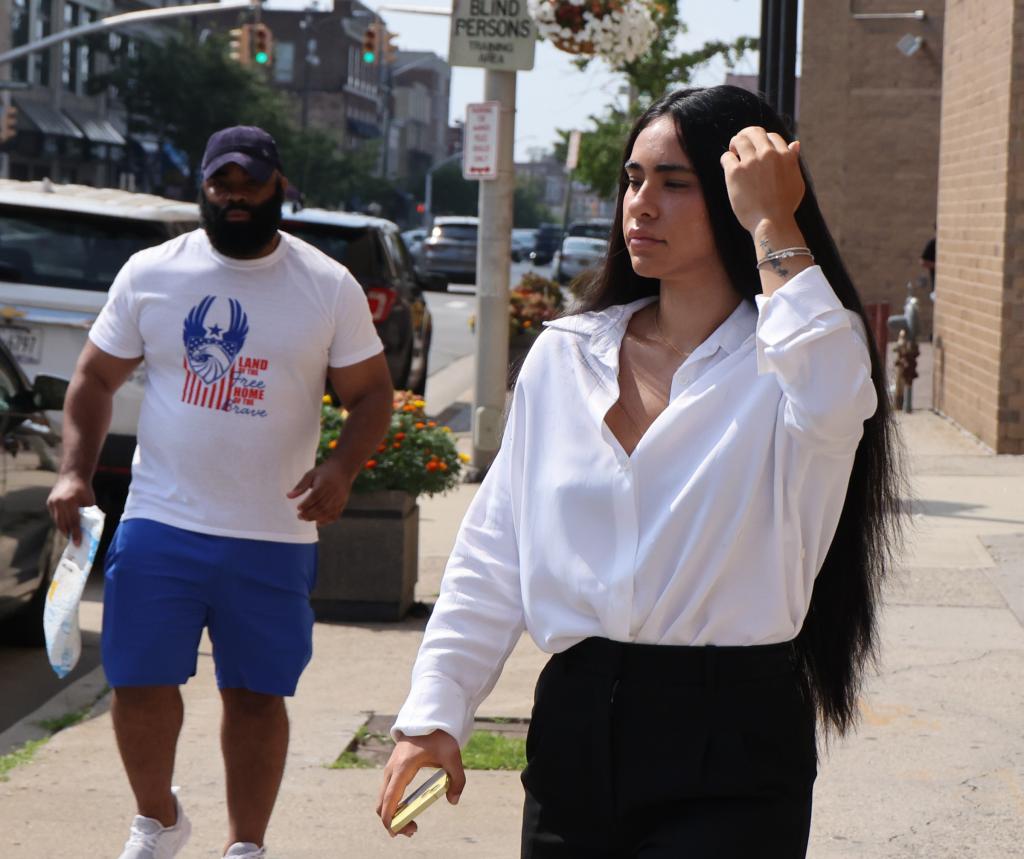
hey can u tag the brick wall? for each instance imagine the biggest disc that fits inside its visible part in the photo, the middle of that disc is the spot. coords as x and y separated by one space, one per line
869 124
979 329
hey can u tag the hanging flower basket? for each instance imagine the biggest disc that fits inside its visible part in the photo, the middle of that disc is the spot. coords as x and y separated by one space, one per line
618 31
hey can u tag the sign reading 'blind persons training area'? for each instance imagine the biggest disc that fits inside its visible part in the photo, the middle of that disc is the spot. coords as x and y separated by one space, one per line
492 34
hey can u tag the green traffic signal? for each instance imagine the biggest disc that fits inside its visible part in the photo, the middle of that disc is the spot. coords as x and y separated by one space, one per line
369 56
261 57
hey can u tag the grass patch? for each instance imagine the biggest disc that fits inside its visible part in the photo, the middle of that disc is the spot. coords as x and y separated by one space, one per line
21 755
24 754
351 761
487 750
66 721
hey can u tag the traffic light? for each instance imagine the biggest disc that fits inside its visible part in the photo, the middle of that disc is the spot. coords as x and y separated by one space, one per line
389 50
262 45
370 44
8 123
240 45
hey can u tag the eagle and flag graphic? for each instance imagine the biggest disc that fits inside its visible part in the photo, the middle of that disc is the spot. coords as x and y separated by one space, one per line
210 353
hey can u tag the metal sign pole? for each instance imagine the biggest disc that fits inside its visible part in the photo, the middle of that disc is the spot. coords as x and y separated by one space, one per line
492 267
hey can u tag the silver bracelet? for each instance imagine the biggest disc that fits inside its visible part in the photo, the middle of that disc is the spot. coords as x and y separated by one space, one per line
785 253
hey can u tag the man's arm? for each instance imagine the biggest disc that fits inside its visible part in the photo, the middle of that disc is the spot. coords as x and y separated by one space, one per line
87 409
365 391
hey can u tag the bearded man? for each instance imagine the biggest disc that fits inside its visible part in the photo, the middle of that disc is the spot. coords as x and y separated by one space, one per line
239 326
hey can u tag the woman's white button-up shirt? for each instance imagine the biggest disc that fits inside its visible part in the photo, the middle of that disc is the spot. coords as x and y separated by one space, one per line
711 532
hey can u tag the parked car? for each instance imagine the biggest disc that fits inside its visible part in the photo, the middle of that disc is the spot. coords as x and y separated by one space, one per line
60 249
30 545
548 240
414 241
522 243
373 250
450 249
577 255
595 228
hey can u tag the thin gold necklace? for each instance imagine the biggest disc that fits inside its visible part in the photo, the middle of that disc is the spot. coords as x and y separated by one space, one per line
665 341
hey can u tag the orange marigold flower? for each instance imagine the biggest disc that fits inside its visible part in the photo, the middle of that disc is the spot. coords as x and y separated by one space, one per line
431 466
420 425
397 445
333 443
382 448
399 436
527 323
408 408
431 423
371 463
443 466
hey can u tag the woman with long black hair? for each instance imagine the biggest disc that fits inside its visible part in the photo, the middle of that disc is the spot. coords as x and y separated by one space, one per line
694 504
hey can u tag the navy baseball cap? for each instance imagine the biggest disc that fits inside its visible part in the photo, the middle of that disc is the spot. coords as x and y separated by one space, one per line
249 147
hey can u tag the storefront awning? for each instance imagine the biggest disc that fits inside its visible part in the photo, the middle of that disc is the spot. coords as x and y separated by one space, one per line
96 130
361 128
48 120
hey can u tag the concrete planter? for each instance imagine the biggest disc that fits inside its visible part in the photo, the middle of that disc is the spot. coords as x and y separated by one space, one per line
368 559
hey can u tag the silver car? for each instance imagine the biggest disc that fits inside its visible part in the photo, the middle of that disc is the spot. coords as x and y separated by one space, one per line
577 255
450 249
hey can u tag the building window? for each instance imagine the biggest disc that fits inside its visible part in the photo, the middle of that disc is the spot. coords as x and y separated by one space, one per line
86 59
284 62
69 51
19 36
42 27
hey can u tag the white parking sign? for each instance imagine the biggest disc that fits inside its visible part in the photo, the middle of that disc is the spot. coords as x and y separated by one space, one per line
480 146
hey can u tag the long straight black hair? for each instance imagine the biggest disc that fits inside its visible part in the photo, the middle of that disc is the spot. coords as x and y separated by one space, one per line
839 636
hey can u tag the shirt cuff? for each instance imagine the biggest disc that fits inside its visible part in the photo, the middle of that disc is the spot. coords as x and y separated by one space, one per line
435 702
792 308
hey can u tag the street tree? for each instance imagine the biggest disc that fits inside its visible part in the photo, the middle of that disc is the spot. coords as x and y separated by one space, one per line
180 90
660 69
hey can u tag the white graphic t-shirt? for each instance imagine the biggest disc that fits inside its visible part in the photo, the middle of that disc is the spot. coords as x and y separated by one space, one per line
236 355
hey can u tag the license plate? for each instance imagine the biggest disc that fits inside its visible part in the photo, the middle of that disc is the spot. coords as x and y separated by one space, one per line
24 343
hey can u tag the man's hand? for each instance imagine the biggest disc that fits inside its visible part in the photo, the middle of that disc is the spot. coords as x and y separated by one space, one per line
762 176
69 493
437 749
329 488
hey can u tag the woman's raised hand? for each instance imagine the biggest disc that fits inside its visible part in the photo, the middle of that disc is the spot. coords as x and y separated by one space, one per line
762 176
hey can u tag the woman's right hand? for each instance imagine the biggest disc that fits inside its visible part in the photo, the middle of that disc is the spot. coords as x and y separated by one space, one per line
437 749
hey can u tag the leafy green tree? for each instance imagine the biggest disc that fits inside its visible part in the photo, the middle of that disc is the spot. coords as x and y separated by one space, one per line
455 195
182 90
661 68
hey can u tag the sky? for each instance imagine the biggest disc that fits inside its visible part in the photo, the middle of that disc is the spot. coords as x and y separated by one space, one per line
555 94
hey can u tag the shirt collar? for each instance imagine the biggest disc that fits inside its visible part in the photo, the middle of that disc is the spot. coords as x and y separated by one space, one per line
607 327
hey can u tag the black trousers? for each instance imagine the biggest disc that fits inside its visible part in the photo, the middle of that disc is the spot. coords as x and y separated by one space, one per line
656 751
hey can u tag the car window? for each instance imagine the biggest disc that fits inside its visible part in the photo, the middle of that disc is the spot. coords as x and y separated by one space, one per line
456 232
68 249
400 254
579 245
356 248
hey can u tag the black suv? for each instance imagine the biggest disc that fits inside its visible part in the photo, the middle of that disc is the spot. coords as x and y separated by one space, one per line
549 240
373 250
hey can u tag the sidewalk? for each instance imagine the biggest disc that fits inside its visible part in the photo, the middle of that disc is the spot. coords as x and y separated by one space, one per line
936 769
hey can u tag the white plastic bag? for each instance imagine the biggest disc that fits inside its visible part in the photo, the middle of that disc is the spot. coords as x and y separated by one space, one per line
60 616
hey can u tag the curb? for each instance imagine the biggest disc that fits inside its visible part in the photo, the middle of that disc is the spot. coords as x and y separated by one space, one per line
82 693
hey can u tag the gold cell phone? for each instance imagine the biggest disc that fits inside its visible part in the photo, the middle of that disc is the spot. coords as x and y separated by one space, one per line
419 800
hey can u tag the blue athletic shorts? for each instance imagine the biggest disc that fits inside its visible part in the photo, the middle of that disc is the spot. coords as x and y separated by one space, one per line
164 584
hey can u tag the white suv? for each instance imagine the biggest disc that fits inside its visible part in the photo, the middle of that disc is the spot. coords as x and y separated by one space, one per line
60 248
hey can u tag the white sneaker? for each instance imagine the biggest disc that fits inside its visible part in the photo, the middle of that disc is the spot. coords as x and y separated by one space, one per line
150 839
246 850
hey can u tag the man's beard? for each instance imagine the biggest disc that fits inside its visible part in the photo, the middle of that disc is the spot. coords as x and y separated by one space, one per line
241 239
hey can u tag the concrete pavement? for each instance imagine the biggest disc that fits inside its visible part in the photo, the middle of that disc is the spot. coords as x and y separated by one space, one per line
936 770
